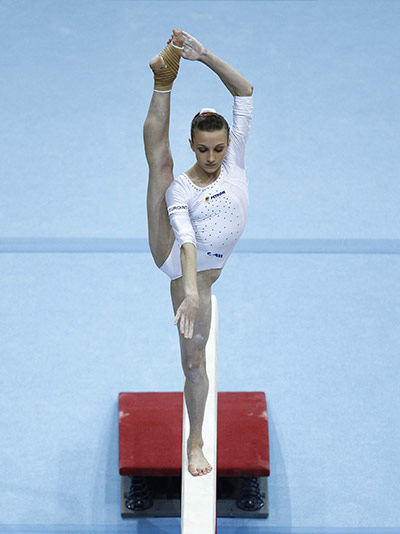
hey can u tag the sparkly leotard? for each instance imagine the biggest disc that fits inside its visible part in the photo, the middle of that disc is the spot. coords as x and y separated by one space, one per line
212 217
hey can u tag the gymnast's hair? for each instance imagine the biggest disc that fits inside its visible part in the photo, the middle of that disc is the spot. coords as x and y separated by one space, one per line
208 122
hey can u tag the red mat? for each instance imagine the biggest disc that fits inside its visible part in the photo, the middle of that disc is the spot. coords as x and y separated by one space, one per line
150 434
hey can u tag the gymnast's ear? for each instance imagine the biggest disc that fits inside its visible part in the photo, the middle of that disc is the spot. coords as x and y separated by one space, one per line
191 144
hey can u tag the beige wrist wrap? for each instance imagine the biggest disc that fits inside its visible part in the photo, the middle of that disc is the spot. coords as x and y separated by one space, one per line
165 76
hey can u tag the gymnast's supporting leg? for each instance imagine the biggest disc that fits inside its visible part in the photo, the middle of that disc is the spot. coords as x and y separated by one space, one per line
158 154
194 367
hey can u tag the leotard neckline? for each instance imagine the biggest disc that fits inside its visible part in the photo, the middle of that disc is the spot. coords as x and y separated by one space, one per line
206 186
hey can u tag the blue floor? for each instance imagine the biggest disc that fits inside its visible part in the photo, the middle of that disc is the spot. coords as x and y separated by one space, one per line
309 305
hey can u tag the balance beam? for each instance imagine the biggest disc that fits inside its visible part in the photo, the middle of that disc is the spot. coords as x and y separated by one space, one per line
199 494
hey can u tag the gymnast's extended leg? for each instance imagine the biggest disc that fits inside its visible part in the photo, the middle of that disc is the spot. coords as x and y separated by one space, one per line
158 154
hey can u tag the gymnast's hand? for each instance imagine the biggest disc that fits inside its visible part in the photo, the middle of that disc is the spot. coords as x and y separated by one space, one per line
186 315
192 49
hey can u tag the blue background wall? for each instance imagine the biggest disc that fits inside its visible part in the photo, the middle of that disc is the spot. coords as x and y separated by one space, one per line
316 330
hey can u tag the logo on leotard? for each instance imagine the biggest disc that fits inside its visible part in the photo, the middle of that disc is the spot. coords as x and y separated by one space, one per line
216 255
207 199
177 207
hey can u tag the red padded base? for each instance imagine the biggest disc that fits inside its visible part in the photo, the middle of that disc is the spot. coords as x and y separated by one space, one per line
150 434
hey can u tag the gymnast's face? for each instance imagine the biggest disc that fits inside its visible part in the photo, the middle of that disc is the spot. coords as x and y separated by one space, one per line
210 148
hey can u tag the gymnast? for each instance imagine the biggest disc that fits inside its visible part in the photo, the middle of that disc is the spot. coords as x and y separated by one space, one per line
195 220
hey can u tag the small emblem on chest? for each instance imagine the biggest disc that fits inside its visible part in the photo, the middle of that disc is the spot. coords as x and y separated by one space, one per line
208 198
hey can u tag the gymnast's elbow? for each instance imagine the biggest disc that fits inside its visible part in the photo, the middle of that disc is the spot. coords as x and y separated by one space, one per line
250 90
245 90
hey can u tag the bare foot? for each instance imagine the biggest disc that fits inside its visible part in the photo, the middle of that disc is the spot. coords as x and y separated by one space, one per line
197 462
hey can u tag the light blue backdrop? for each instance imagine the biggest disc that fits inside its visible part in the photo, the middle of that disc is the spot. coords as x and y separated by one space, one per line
317 332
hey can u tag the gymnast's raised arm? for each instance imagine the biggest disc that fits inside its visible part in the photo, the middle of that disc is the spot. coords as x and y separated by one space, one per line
231 78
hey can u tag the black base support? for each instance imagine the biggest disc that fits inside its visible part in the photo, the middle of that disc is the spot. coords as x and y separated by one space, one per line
161 497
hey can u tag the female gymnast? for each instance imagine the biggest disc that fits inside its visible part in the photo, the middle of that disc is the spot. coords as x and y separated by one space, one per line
195 220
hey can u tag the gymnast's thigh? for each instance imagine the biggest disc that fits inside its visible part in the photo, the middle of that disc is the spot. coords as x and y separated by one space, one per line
205 279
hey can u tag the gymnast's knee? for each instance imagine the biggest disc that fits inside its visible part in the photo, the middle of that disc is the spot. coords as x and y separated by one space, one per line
194 364
160 161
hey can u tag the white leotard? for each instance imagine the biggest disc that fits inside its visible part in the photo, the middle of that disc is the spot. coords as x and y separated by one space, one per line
212 217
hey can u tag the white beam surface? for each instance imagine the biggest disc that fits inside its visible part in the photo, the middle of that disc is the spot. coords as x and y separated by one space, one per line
199 494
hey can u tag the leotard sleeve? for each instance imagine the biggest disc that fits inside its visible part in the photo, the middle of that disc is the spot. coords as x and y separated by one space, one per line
239 131
178 211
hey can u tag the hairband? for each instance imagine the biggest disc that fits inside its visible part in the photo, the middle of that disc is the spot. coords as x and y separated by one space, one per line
206 112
